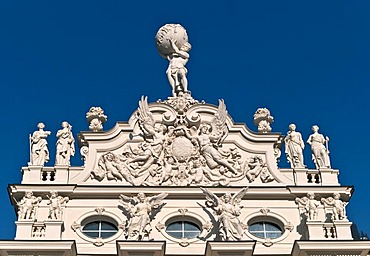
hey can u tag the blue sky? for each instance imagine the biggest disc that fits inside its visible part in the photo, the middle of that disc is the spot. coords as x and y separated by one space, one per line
307 61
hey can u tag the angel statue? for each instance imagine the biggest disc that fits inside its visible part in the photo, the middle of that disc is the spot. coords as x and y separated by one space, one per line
309 205
27 206
211 137
339 207
141 211
227 208
154 135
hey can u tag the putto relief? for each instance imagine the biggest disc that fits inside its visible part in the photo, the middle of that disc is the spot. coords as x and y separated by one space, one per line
177 146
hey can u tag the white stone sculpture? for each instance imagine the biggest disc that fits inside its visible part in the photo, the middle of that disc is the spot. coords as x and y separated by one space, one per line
141 211
39 146
179 150
227 209
65 145
27 206
262 119
294 146
337 205
256 167
56 204
172 43
96 118
319 148
309 205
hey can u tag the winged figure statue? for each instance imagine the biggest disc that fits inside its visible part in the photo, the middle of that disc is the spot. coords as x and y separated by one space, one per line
154 136
140 211
227 208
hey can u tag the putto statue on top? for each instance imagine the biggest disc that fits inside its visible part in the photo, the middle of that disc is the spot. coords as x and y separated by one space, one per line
172 43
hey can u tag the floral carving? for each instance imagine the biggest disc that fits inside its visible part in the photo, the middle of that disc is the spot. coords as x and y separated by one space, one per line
96 118
263 119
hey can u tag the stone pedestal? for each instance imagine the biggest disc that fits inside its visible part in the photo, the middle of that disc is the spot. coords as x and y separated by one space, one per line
24 229
61 173
329 176
300 176
53 229
315 230
234 248
31 174
343 228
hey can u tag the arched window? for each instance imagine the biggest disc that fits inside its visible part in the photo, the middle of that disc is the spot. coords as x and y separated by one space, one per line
265 229
99 229
183 229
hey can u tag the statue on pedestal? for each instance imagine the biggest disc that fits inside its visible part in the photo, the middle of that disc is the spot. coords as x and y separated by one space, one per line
172 43
65 145
39 146
319 148
294 146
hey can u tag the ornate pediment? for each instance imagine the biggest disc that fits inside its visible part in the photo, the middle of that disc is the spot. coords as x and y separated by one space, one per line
180 142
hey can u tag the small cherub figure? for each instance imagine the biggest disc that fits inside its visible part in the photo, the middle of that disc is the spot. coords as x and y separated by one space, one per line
55 205
254 168
27 206
339 207
309 205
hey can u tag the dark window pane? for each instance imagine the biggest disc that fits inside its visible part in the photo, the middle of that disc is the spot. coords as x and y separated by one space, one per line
272 227
258 234
91 226
107 226
92 234
107 234
191 227
175 234
174 226
256 227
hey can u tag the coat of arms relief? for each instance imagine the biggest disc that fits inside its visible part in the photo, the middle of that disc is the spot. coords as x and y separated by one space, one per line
178 143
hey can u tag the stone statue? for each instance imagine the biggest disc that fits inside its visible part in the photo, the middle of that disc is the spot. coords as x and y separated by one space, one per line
262 118
339 207
309 205
319 148
227 208
154 135
211 137
39 146
172 43
27 206
141 211
96 118
65 145
55 205
294 146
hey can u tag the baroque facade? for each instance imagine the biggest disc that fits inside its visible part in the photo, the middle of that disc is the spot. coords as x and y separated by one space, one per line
180 178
